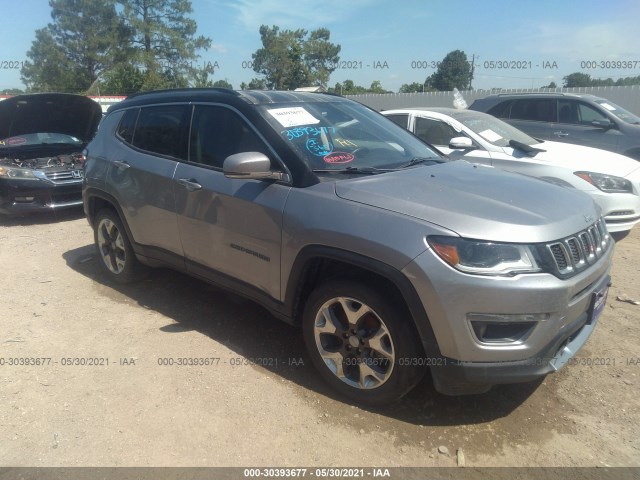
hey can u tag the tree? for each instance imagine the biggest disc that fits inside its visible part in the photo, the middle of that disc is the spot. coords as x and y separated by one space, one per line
223 84
254 84
348 87
320 56
551 85
289 59
82 41
453 72
165 41
414 87
577 80
376 87
122 80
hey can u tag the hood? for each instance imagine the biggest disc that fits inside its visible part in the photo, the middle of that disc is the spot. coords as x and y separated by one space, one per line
477 202
580 158
65 113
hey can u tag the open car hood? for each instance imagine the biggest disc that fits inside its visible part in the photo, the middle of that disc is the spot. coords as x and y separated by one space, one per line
73 115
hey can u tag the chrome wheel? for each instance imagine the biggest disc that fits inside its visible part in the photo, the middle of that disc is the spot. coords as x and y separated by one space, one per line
111 246
354 343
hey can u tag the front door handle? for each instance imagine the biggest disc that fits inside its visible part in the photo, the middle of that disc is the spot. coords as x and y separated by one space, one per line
190 184
122 165
561 134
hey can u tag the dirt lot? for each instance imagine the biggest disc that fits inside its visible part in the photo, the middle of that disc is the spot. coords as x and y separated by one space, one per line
136 412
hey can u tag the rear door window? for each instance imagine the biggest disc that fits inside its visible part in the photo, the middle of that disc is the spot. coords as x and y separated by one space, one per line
537 110
161 130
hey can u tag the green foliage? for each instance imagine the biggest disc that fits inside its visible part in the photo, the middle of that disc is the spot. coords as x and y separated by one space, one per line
121 80
551 85
348 87
82 41
254 84
89 47
223 84
415 87
454 71
290 59
579 79
164 42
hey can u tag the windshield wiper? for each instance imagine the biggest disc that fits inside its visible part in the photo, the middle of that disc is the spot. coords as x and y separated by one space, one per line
359 170
419 160
528 149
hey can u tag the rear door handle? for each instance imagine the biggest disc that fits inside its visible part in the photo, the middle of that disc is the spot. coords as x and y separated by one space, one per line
122 165
561 134
190 184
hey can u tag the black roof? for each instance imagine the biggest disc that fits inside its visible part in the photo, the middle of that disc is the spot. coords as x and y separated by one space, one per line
252 97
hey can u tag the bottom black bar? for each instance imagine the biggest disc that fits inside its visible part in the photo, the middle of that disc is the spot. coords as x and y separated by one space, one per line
395 473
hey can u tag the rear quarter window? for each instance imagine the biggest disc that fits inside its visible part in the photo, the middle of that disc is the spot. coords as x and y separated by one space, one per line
127 125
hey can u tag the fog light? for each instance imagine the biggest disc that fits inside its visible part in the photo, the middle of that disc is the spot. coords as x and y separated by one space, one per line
504 328
24 199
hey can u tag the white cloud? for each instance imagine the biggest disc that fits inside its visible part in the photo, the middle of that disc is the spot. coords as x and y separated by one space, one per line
603 41
219 48
298 14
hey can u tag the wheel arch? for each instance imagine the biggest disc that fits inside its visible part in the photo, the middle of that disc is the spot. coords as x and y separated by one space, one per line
316 264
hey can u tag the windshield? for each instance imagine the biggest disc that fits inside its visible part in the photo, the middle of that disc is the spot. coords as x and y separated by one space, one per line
32 139
619 112
337 135
491 129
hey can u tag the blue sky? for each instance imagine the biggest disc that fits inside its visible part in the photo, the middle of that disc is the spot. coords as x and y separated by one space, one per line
400 37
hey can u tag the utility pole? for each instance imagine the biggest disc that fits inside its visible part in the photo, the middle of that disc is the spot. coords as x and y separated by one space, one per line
473 66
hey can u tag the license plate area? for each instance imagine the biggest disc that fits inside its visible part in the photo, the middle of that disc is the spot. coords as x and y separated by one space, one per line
598 302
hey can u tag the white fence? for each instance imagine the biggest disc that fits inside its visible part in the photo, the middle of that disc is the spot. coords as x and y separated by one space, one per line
626 97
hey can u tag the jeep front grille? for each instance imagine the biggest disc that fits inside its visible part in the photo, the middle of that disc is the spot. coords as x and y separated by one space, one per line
575 253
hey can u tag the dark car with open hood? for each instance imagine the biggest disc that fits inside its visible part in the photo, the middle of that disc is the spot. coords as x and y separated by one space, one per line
42 137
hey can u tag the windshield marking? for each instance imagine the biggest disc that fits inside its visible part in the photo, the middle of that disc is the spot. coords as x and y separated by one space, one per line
345 143
319 148
339 157
293 133
293 116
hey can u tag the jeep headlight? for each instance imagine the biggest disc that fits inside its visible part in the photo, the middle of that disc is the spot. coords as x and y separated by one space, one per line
485 258
607 183
17 173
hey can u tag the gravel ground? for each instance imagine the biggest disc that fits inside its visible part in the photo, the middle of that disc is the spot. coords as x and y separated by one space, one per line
259 402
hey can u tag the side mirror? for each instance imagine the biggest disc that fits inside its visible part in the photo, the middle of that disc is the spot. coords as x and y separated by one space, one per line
604 124
251 165
461 143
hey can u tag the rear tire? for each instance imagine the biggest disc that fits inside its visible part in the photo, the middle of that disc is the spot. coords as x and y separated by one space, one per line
362 342
115 254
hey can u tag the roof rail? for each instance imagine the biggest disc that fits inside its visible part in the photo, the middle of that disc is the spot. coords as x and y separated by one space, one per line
185 90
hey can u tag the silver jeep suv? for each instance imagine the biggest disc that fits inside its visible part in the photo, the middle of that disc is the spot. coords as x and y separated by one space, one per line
393 260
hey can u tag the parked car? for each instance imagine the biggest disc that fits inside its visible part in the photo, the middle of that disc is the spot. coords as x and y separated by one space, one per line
42 137
393 260
568 117
612 180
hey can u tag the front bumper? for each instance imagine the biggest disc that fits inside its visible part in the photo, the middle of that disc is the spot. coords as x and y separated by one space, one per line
468 365
454 377
621 211
28 196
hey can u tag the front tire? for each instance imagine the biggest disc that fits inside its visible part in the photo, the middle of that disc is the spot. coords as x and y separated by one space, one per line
115 254
362 342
